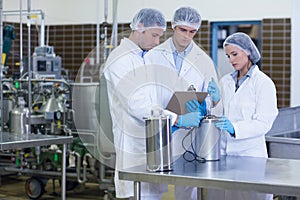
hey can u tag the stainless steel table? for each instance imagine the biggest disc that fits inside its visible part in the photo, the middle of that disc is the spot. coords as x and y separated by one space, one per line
272 175
12 141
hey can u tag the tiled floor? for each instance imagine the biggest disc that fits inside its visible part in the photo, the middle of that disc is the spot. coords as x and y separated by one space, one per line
13 188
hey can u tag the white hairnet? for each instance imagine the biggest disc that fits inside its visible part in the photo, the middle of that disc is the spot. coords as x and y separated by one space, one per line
186 16
148 18
244 42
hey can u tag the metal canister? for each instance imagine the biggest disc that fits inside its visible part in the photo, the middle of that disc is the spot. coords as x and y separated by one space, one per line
8 105
158 143
18 121
207 139
8 102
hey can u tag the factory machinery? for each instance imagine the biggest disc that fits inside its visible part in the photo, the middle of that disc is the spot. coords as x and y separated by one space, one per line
42 100
46 103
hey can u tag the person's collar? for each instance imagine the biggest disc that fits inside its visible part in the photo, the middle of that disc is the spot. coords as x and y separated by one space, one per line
184 52
189 48
142 53
249 73
135 48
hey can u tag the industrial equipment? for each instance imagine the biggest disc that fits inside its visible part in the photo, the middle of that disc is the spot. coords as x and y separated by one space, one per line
46 63
42 101
55 109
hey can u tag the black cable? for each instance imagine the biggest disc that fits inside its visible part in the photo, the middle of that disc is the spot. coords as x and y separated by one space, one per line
192 152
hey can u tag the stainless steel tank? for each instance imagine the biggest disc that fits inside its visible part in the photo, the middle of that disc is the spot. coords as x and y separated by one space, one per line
93 121
207 139
18 120
8 103
158 143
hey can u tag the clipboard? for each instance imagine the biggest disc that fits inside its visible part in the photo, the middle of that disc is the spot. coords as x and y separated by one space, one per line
179 98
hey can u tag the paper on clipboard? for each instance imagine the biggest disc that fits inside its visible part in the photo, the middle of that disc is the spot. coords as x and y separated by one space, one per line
179 98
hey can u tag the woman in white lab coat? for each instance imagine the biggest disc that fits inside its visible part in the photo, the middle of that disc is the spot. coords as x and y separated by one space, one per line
250 108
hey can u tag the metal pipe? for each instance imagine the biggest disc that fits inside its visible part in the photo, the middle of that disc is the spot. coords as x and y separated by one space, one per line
47 80
85 164
63 174
42 35
137 190
78 168
28 13
21 40
29 67
47 41
114 41
35 80
45 173
102 173
105 49
200 194
92 164
98 36
23 12
105 10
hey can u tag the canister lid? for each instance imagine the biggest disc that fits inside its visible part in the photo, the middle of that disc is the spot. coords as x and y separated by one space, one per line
210 118
156 113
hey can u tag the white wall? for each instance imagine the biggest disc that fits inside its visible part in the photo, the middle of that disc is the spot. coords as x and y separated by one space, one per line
86 11
92 11
295 74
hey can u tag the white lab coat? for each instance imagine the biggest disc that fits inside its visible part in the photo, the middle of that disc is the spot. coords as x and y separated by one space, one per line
252 111
134 88
197 70
129 94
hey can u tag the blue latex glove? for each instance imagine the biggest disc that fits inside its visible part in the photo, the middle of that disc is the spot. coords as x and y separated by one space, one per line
174 128
189 119
213 90
196 106
225 124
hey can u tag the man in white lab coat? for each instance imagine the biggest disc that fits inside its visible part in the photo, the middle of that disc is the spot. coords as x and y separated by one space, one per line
188 65
133 92
148 25
131 87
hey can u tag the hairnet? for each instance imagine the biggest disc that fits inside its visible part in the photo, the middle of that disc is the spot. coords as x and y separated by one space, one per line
148 18
244 42
187 16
